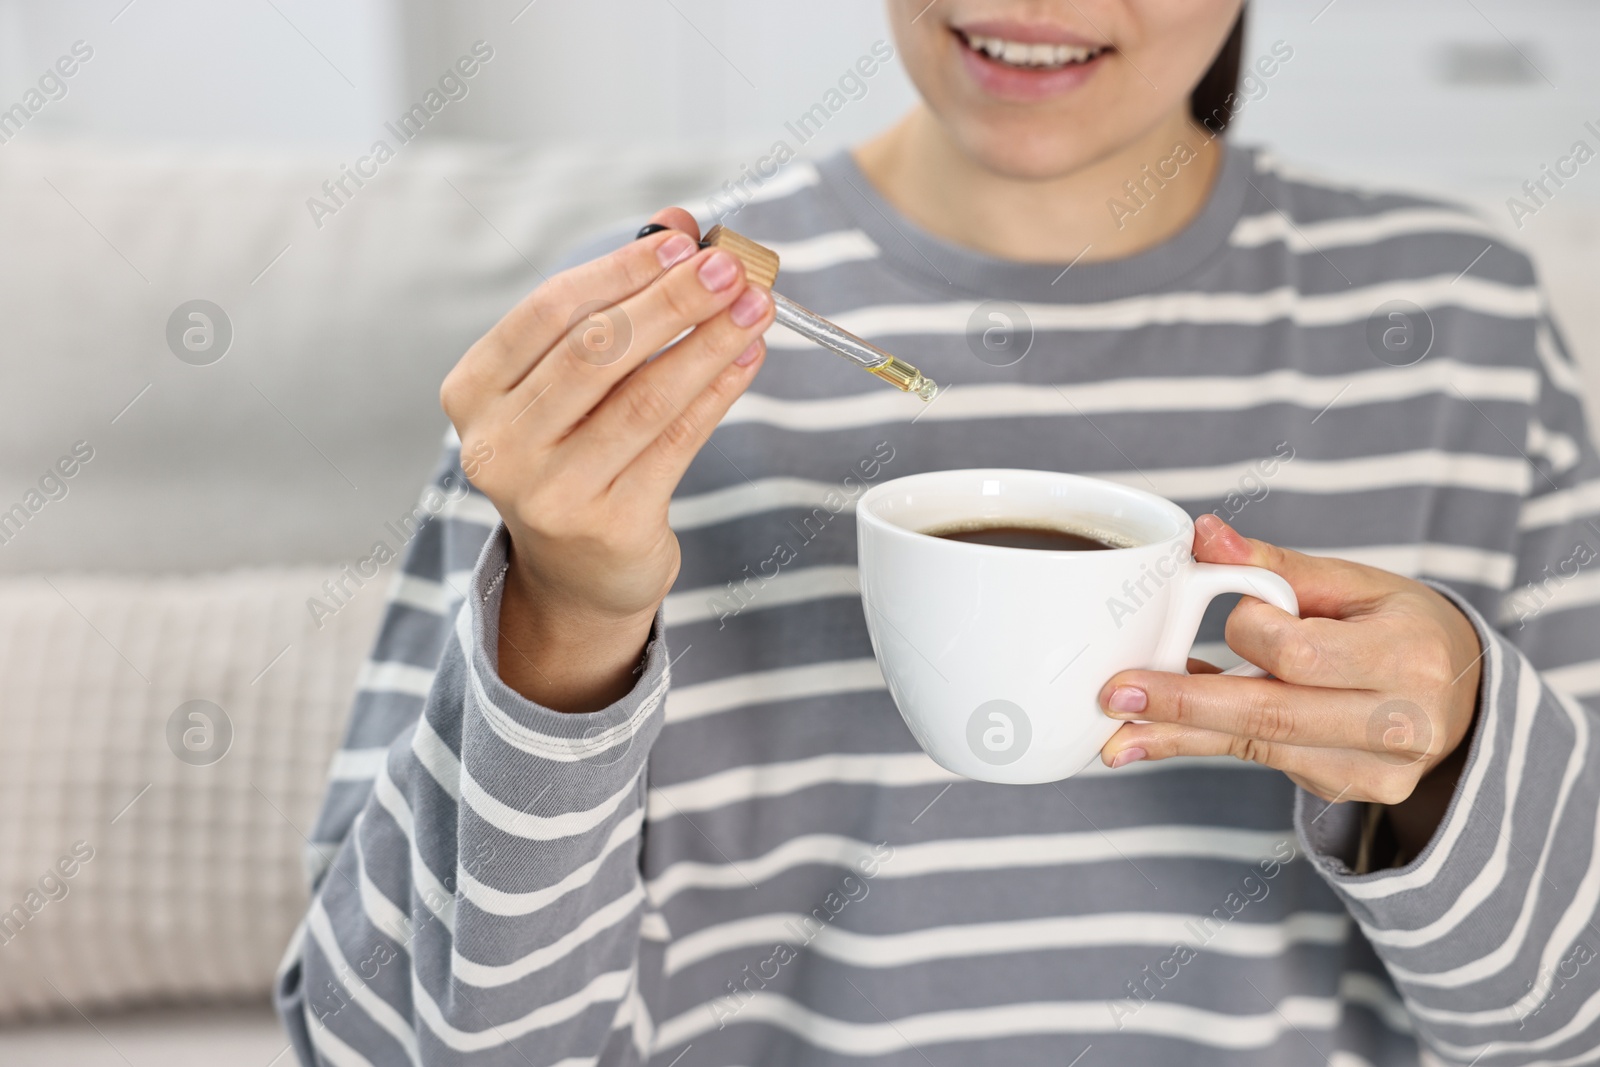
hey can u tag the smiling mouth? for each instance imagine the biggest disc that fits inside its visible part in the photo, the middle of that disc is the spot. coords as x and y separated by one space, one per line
1020 55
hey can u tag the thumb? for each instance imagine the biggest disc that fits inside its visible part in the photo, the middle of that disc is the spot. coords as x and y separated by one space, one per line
676 218
1326 587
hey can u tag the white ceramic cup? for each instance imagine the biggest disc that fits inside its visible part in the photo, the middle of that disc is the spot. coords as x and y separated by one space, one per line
996 656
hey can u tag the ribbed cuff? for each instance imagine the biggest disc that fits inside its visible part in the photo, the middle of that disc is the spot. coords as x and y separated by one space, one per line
616 738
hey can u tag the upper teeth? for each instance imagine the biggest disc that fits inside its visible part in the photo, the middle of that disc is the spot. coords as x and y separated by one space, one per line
1030 55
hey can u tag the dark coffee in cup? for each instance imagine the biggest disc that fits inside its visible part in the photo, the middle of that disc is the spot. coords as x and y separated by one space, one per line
1040 538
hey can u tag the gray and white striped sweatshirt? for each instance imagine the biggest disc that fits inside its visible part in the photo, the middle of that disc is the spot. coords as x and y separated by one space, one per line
748 861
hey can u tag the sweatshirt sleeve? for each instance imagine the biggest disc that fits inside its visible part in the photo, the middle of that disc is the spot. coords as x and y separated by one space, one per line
1490 934
476 886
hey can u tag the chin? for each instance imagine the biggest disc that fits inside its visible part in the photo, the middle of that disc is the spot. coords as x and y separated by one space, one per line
1031 151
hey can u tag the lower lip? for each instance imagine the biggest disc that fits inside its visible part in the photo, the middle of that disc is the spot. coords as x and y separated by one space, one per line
1013 83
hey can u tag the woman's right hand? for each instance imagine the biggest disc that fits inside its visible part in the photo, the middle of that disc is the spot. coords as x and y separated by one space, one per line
579 438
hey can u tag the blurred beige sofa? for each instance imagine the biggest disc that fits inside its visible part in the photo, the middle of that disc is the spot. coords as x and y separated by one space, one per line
219 496
174 564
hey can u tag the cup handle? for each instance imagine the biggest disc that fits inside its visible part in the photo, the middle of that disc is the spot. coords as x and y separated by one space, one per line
1205 582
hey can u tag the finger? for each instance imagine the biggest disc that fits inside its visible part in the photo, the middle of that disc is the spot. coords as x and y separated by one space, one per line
1326 653
1329 773
1333 774
513 345
1158 741
655 397
1331 588
657 470
1200 666
1262 709
604 348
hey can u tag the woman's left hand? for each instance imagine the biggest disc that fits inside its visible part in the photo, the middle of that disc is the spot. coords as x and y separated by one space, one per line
1373 688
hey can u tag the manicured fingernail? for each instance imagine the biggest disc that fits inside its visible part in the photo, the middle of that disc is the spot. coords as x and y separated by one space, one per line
1127 756
675 249
718 271
748 356
1126 700
748 309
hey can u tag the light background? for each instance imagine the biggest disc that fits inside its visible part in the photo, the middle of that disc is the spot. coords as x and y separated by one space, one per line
1448 93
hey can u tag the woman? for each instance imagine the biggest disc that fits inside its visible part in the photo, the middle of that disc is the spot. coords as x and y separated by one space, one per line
608 831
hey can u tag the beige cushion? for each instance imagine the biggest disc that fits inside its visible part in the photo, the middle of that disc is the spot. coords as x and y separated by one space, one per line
195 882
191 1037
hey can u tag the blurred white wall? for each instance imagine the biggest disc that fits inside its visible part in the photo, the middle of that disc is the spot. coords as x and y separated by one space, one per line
1459 94
610 71
328 75
301 72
